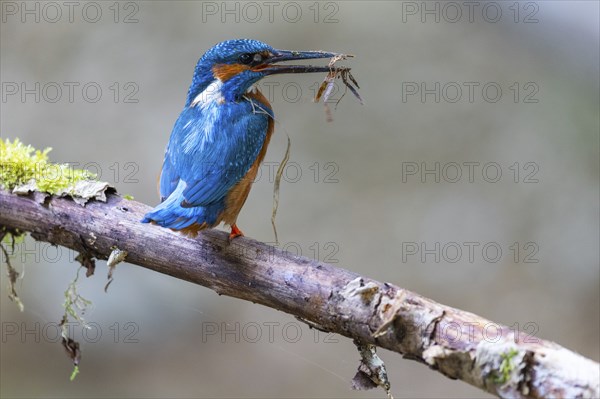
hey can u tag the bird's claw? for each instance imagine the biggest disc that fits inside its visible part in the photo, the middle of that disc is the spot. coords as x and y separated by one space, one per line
235 232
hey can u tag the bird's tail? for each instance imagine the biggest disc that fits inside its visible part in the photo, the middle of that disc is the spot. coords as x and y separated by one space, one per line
172 215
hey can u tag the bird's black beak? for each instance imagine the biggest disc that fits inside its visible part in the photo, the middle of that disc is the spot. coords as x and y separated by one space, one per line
269 66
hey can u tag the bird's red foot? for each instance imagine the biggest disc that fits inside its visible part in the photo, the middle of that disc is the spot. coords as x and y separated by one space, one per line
235 232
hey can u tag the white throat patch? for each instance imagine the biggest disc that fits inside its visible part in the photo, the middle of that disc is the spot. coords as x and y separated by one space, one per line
211 94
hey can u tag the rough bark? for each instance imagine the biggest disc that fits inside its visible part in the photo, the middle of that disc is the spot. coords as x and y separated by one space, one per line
456 343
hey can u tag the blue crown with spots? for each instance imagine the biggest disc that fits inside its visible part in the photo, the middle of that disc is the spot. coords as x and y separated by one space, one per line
226 52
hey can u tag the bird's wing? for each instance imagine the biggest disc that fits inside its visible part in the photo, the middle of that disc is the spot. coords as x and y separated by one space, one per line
169 177
214 152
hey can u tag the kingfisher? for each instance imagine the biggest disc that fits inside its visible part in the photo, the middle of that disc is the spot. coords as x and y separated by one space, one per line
221 136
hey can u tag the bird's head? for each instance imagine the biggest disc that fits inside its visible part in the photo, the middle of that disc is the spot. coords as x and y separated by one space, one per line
237 64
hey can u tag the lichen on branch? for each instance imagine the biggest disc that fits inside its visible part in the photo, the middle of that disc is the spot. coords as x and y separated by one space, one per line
24 169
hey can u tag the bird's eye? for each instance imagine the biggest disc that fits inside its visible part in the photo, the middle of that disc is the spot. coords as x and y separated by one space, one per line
246 58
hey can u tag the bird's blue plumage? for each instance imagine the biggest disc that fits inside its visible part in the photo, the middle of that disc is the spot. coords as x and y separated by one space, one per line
218 150
221 135
211 148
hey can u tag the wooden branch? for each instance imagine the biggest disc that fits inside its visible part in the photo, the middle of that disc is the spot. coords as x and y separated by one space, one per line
456 343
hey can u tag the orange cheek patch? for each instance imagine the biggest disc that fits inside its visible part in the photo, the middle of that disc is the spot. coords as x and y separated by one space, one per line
224 72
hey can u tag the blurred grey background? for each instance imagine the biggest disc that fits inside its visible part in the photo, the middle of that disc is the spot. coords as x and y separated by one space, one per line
350 196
